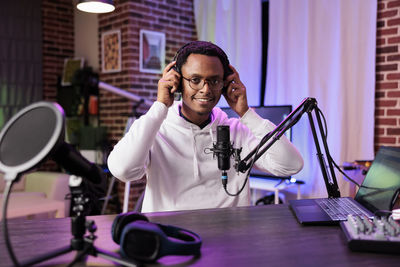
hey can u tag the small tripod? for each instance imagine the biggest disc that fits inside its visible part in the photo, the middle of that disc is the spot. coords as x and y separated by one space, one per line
84 245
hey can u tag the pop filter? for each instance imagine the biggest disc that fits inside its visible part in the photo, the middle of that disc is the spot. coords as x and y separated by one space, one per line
35 133
32 135
29 137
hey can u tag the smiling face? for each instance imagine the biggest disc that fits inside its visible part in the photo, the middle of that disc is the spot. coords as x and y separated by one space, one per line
198 104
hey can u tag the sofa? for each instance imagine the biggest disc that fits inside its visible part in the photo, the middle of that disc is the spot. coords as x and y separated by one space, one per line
39 194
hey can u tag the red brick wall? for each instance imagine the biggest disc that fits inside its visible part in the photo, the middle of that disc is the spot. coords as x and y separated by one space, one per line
174 18
387 95
58 42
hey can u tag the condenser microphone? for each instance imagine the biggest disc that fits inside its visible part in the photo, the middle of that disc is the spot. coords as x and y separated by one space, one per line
223 147
223 150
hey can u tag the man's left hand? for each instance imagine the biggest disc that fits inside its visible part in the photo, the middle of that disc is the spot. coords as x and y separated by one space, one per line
235 94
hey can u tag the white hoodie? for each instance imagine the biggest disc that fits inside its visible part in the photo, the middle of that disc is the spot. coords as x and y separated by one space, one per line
180 175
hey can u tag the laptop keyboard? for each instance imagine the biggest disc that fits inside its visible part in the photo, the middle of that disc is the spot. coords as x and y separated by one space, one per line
339 208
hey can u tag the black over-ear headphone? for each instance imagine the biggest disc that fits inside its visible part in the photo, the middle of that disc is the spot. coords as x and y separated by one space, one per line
142 240
178 93
175 67
222 56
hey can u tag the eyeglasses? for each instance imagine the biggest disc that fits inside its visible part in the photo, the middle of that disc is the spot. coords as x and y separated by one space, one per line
198 84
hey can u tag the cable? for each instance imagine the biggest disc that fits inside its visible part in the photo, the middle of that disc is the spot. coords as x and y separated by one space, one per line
385 213
225 181
324 120
6 195
325 136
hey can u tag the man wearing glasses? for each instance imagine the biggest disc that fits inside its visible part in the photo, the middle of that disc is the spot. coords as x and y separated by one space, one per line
170 141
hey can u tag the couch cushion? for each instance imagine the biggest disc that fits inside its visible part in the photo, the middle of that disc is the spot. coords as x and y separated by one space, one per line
19 186
29 204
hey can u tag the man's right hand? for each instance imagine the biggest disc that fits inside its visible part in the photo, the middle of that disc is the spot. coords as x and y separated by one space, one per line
168 85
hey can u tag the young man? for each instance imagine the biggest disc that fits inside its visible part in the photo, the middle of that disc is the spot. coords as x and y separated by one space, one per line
168 143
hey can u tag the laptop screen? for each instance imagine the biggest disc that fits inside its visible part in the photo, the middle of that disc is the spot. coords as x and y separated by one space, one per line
275 114
384 177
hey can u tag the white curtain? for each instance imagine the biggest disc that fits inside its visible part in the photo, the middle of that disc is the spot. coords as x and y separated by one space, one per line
235 26
325 49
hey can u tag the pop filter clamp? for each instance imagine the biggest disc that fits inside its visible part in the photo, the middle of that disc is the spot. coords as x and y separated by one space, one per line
27 139
308 105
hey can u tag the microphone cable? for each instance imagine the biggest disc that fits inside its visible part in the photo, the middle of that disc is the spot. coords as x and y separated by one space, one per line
325 136
224 176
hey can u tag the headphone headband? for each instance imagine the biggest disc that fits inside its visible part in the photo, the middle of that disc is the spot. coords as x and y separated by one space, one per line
206 48
142 240
148 241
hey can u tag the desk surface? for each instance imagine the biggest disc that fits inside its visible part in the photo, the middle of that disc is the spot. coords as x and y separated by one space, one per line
249 236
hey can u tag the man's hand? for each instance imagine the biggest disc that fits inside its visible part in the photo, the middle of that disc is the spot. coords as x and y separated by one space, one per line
168 84
235 94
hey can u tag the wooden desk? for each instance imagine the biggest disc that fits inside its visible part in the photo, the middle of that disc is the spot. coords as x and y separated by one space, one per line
249 236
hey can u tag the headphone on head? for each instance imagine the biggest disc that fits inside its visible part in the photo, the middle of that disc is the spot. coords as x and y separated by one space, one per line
175 67
178 93
221 55
139 239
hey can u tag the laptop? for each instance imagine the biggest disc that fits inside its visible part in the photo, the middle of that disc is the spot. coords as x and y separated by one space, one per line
382 180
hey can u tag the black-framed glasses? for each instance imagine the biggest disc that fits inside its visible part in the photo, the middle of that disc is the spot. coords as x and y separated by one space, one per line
214 84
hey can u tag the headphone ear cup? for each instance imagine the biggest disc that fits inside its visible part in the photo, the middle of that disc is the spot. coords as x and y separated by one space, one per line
178 94
121 221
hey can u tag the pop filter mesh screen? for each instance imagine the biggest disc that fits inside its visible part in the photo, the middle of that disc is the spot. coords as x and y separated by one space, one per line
27 136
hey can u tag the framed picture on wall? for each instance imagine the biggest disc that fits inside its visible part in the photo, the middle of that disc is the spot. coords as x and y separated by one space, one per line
111 51
152 51
71 65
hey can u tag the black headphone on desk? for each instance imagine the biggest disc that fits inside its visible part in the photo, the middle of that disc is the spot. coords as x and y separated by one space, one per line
142 240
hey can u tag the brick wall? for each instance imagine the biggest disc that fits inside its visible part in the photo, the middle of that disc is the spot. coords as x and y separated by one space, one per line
58 44
387 95
174 18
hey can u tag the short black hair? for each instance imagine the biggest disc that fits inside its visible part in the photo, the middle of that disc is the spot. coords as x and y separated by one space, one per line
202 48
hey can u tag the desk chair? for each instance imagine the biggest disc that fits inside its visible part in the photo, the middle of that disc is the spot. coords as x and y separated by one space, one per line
138 205
125 206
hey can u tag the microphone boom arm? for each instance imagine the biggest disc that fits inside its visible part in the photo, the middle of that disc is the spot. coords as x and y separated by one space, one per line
306 106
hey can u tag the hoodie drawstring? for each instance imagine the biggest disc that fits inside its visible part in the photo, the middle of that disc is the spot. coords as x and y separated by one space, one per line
196 171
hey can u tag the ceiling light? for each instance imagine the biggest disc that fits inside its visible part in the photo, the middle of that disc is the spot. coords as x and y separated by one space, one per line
96 6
